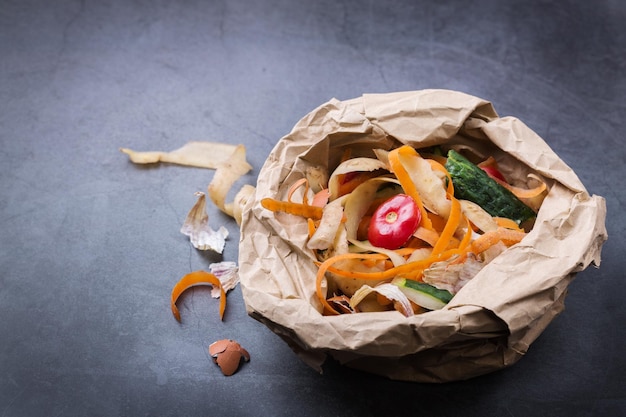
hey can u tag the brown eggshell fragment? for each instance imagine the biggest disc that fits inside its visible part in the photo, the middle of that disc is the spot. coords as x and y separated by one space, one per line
228 354
218 347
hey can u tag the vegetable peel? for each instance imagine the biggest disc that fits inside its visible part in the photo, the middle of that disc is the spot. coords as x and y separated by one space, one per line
352 260
366 166
194 279
297 209
196 154
228 274
196 226
391 292
226 174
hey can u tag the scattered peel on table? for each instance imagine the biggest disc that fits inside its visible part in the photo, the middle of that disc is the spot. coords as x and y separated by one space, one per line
228 161
196 154
230 164
226 174
241 199
194 279
228 354
228 274
196 226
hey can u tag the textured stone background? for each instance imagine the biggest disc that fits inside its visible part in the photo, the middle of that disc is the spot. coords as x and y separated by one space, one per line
90 244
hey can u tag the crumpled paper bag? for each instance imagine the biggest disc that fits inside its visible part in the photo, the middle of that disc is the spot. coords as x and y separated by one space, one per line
492 321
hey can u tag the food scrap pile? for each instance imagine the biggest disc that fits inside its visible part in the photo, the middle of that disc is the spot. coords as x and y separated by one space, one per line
406 230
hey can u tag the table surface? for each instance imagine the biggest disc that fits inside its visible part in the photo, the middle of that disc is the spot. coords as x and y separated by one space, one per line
90 243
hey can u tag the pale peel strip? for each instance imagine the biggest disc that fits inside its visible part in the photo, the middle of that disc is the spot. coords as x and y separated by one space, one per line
361 164
392 292
226 174
241 199
196 154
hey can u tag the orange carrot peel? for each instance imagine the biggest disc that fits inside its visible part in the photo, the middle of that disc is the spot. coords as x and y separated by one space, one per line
502 234
297 209
193 279
522 193
519 192
405 180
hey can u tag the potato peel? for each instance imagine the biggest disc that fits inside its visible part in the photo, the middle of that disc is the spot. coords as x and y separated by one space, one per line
352 165
226 174
196 154
228 161
241 199
478 216
327 230
429 185
400 302
196 226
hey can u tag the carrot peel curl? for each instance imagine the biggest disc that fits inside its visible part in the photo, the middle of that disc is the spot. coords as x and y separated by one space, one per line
193 279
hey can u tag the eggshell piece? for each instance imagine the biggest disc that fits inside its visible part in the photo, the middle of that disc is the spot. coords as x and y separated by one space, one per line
227 354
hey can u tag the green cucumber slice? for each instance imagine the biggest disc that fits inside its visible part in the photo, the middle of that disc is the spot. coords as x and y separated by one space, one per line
422 294
473 184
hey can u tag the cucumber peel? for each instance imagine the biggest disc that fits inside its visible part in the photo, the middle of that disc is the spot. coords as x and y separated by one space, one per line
473 184
422 294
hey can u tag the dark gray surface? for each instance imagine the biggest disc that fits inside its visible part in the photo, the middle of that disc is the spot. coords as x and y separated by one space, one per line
90 244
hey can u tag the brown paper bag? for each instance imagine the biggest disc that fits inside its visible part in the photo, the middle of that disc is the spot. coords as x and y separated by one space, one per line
492 321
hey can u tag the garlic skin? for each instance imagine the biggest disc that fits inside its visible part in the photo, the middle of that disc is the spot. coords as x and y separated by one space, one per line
228 274
452 276
196 226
